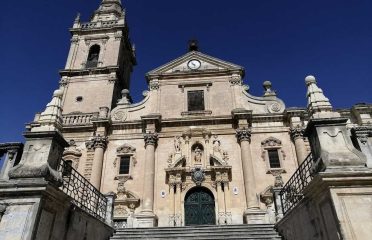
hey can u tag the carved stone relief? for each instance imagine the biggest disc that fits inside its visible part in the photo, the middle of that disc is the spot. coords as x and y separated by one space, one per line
73 154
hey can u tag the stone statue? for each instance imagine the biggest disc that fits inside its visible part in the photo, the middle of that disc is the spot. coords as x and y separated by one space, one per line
216 146
198 154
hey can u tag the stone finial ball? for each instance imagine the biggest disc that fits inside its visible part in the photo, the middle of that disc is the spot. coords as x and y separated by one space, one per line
125 91
58 93
310 79
267 84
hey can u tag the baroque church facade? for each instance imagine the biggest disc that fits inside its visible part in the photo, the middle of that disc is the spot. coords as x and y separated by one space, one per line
198 149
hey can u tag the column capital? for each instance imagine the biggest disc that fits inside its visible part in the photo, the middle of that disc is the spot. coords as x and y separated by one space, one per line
151 138
243 134
297 132
97 142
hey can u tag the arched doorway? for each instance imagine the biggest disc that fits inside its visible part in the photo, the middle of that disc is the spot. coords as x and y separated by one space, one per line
199 207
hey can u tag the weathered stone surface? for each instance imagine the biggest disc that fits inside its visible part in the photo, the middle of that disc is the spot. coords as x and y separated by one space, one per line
331 145
42 154
34 209
336 206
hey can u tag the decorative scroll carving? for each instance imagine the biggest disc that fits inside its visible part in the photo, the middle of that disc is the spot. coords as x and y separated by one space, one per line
274 107
243 134
125 149
235 79
271 142
73 154
154 85
126 202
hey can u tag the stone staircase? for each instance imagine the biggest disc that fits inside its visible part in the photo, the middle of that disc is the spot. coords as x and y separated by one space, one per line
259 232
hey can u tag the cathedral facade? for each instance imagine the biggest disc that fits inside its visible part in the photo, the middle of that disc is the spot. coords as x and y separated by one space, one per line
198 149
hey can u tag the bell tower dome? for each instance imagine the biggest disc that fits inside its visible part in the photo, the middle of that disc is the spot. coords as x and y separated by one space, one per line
100 60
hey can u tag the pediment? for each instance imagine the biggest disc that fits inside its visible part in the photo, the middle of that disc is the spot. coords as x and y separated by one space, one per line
125 148
208 64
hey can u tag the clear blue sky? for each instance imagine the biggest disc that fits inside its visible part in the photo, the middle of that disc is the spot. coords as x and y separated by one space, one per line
281 41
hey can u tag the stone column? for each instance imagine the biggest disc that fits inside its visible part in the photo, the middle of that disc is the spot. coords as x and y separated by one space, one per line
99 145
297 134
227 196
151 140
178 205
221 204
244 137
252 214
172 205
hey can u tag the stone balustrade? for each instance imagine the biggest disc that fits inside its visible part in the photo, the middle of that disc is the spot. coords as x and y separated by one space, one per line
99 24
78 119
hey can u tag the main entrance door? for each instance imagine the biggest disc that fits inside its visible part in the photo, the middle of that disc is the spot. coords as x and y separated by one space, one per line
199 207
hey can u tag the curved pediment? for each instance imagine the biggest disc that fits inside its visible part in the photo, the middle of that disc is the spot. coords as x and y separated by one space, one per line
125 149
178 163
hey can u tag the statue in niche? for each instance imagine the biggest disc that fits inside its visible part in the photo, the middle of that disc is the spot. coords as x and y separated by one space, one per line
177 144
216 145
198 154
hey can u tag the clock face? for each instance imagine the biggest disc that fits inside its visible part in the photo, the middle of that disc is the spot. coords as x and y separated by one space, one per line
194 64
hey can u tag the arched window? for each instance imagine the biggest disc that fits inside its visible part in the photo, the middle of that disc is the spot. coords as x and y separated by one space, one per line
93 56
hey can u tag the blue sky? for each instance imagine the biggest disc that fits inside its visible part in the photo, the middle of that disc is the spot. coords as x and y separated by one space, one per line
281 41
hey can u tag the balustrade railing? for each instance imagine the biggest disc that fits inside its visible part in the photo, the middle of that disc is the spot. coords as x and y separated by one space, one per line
83 193
292 192
102 24
78 119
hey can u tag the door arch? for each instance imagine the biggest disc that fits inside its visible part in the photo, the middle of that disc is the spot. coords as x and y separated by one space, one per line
199 207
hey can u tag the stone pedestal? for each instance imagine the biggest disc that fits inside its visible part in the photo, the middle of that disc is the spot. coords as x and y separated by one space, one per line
254 216
146 220
337 205
331 145
35 209
41 156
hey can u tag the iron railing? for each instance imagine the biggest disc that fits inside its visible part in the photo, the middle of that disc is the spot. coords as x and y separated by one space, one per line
83 193
292 192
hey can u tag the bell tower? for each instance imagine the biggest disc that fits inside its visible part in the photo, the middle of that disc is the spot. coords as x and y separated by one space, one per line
100 60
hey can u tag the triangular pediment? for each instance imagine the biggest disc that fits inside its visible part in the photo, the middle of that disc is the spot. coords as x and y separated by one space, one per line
207 64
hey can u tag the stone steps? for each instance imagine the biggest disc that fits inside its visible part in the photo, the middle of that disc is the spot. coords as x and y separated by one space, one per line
259 232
